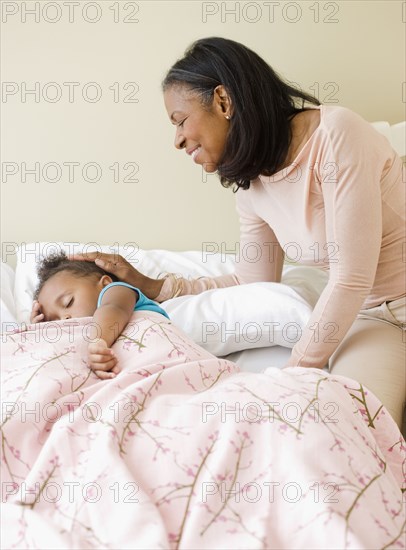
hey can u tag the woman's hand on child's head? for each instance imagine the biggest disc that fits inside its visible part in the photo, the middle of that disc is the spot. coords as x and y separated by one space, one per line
112 263
102 360
123 270
36 315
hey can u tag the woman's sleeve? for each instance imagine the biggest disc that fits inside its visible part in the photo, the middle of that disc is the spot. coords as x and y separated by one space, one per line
350 177
259 257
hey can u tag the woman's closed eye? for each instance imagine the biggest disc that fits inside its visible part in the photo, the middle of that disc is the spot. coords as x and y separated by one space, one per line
70 302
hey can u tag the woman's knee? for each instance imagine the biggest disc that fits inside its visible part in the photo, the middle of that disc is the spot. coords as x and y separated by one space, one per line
374 353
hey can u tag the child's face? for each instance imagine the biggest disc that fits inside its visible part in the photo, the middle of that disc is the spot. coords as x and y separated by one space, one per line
66 295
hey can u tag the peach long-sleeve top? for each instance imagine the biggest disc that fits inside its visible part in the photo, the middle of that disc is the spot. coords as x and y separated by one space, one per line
339 206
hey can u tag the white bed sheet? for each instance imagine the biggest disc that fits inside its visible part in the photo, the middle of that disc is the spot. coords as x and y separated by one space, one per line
257 360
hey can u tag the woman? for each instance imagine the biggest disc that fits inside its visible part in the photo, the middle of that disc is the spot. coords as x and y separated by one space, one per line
317 177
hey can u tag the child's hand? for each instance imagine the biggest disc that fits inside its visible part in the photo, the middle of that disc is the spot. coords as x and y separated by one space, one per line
102 360
36 315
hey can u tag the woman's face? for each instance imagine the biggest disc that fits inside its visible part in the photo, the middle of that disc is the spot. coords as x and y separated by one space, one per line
200 130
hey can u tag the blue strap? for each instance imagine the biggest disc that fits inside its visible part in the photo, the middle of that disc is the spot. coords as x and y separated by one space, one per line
143 303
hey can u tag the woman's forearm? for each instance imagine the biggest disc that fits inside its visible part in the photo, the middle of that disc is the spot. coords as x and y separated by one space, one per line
174 285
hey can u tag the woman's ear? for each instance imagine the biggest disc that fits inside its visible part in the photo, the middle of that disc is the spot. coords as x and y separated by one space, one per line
222 101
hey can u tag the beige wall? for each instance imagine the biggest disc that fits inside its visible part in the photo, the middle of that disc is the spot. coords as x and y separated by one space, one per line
353 51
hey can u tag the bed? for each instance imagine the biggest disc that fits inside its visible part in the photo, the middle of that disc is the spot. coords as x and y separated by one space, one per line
202 441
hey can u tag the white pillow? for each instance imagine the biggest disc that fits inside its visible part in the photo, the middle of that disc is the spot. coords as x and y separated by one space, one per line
256 315
7 306
221 320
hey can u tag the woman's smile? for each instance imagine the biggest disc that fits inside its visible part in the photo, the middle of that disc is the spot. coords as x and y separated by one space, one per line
201 129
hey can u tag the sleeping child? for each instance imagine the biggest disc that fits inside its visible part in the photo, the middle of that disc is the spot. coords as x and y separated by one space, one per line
69 289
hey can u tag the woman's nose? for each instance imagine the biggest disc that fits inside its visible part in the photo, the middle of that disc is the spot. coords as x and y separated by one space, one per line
67 316
179 139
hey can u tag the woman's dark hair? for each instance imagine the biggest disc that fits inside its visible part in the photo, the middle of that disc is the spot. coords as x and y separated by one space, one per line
57 262
260 133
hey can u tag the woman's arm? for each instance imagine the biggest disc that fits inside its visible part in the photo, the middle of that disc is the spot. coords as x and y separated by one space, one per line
350 175
258 258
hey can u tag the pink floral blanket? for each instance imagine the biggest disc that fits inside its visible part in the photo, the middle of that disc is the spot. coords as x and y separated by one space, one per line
181 450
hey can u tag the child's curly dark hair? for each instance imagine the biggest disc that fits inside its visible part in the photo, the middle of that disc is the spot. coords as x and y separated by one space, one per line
58 261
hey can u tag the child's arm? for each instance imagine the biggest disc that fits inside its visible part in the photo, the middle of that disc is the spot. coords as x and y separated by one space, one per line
109 320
